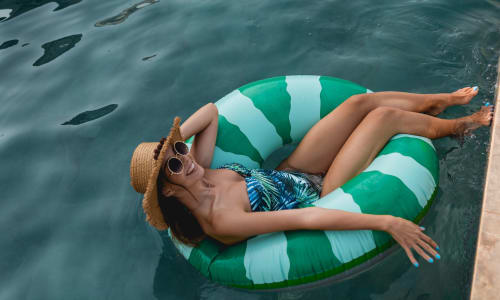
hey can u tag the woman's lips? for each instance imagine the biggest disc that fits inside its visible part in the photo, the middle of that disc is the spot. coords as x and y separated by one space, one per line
191 168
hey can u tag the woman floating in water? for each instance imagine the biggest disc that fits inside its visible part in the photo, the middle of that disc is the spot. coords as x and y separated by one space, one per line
225 204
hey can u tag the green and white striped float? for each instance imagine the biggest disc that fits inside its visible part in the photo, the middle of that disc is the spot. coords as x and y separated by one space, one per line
259 118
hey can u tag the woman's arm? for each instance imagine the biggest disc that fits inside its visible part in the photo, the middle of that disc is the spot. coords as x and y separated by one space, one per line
241 225
203 123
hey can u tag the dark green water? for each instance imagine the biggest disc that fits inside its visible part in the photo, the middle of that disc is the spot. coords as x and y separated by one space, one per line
84 82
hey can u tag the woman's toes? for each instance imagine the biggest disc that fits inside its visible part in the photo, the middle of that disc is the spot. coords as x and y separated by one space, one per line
464 95
470 123
485 115
471 92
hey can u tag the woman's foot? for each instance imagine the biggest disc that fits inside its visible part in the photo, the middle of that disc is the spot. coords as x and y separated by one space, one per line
459 97
480 118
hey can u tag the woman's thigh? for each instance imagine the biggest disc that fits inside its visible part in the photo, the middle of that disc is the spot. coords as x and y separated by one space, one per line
322 142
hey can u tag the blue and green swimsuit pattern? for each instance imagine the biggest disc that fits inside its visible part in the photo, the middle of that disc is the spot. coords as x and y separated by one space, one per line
270 190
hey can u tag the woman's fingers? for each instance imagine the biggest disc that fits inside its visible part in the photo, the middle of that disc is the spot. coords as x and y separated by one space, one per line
409 235
410 256
428 248
428 240
422 253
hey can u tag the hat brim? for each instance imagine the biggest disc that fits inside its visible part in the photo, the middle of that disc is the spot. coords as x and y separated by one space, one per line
150 202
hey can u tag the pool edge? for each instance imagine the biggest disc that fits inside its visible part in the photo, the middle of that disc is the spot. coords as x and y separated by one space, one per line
486 276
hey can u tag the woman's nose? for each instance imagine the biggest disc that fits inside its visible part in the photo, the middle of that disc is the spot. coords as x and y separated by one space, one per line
186 161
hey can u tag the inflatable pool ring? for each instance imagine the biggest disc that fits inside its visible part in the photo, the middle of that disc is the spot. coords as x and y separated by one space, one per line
259 118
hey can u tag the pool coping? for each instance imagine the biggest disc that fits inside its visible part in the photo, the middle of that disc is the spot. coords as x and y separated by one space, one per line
486 276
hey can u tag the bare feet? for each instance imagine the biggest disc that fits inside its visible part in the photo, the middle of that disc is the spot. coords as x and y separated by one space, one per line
464 96
459 97
480 118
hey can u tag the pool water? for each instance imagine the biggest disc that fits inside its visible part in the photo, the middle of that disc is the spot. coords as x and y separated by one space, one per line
84 82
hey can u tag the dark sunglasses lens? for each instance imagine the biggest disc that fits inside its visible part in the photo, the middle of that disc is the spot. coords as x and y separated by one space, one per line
181 148
175 164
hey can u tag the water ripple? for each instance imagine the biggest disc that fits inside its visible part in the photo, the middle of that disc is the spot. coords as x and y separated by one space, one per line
119 18
56 48
8 44
14 8
91 115
5 14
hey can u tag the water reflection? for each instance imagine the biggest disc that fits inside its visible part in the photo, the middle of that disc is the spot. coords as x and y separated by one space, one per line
119 18
148 57
56 48
91 115
13 8
8 44
5 14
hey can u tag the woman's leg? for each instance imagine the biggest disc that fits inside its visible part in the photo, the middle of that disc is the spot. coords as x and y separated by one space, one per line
379 126
320 145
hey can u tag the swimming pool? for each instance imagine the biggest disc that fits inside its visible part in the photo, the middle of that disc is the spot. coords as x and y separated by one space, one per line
84 82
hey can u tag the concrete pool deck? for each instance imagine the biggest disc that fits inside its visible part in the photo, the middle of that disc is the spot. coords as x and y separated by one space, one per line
486 278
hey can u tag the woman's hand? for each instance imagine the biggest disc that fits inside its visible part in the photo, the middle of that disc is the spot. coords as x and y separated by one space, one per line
410 235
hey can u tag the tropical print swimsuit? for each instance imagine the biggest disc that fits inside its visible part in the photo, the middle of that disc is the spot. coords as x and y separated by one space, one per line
270 190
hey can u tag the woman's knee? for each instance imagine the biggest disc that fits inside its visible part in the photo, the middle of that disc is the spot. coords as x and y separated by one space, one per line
385 114
362 102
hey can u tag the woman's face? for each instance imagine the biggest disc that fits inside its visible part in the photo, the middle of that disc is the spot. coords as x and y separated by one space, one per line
190 173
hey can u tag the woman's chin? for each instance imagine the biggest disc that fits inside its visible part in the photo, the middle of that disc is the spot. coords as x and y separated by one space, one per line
196 174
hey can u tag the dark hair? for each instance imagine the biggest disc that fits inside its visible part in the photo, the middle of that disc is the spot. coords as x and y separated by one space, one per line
182 223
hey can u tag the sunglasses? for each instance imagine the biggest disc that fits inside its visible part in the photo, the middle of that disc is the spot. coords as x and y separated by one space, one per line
174 164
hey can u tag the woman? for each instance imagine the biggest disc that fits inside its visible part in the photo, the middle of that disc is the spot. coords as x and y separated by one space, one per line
181 191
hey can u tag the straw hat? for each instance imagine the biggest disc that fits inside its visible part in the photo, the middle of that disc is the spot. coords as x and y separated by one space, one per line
144 170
